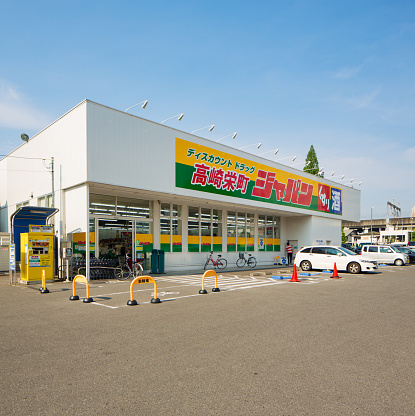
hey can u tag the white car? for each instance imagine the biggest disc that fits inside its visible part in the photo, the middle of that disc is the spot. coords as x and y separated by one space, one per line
324 257
384 254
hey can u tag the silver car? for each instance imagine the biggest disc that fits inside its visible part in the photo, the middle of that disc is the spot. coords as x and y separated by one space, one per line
384 254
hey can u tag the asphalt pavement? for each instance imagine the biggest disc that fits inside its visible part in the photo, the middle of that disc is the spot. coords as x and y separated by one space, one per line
260 346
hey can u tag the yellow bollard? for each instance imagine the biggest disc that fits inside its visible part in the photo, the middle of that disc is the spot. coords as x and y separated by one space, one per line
141 280
206 274
44 289
85 280
275 260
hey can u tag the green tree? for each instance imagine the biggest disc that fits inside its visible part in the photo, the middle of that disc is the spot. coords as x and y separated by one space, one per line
344 239
311 163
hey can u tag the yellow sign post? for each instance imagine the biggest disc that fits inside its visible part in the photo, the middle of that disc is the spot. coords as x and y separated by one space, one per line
84 280
206 274
142 280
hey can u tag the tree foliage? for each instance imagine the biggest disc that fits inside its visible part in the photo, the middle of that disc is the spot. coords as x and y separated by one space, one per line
311 163
344 238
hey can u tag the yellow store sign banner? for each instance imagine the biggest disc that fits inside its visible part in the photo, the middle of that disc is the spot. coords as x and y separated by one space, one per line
205 169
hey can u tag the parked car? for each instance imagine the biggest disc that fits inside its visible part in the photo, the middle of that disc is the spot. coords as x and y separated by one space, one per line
410 253
324 257
360 246
384 254
411 244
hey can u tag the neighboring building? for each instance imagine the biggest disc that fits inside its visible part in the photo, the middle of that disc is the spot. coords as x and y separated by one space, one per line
136 185
389 230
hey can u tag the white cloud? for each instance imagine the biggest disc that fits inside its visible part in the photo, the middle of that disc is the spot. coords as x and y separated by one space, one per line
363 101
15 112
347 72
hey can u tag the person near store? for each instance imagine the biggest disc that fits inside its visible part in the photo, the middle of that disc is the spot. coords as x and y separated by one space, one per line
289 251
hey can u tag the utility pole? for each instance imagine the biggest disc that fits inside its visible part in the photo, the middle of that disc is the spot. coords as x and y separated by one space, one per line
52 169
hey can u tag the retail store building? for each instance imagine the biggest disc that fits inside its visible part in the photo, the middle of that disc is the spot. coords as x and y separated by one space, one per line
136 185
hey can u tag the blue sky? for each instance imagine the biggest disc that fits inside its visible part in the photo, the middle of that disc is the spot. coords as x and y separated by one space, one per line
290 74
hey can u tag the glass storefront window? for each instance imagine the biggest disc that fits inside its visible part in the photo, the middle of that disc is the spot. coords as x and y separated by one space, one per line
177 211
193 228
165 210
136 208
115 238
231 231
165 226
216 215
102 204
240 242
231 217
261 232
176 227
193 213
143 238
250 231
269 230
205 214
170 228
204 230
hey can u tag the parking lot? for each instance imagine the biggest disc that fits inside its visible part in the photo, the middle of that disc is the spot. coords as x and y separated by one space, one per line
260 346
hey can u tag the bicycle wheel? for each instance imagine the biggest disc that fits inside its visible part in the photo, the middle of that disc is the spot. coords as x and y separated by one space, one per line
206 264
252 262
221 263
121 274
240 262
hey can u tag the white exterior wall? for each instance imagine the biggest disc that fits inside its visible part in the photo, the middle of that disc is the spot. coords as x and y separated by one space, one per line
26 174
76 209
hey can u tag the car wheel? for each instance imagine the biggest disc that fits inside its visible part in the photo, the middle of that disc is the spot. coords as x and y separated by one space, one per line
305 265
399 262
354 268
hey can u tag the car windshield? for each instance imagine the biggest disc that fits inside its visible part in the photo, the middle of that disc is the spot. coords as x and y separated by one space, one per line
396 249
404 250
347 251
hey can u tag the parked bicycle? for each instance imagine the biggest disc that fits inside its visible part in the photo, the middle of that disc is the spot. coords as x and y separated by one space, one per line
251 260
220 262
124 271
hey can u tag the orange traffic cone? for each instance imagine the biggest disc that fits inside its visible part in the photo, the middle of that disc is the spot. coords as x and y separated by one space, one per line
335 274
294 276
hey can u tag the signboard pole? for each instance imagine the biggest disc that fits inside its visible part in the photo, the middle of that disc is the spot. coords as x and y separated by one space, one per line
12 263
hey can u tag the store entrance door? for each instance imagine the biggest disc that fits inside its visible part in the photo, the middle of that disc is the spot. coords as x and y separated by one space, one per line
115 238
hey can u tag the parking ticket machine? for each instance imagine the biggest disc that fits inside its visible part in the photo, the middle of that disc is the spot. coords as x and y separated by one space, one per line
37 253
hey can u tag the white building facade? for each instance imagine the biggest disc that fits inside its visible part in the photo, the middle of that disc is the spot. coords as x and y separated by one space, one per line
135 185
